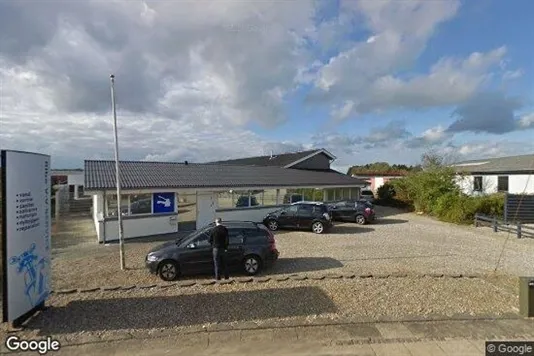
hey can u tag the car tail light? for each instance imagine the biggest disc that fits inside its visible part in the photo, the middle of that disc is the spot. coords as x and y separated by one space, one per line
271 239
368 210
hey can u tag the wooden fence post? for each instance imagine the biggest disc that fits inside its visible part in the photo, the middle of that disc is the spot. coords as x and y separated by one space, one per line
518 230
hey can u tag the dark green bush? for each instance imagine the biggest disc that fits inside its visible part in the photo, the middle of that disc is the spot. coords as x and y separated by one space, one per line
434 192
386 192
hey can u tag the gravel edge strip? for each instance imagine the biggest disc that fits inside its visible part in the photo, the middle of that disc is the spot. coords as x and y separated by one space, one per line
264 280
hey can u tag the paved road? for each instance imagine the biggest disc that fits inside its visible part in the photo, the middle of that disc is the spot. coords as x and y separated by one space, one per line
458 337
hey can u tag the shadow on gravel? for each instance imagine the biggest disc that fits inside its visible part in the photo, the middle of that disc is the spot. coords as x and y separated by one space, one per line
181 310
389 221
302 265
339 228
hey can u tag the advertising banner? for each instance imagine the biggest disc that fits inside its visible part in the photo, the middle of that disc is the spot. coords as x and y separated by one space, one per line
26 229
163 203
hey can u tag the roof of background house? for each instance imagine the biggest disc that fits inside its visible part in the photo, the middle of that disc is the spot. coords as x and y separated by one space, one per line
380 174
510 164
100 175
279 160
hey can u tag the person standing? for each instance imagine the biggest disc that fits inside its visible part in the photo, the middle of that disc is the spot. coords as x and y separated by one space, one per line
219 240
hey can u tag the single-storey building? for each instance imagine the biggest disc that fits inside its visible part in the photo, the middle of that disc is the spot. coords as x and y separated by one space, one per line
376 180
167 197
74 178
512 174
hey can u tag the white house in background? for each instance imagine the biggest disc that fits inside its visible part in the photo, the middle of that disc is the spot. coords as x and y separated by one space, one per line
513 174
74 178
376 180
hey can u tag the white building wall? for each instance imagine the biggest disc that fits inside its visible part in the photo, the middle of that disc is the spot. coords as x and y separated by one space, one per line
75 179
141 226
516 184
98 215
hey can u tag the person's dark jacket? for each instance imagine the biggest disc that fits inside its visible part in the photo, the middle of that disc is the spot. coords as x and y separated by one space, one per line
219 237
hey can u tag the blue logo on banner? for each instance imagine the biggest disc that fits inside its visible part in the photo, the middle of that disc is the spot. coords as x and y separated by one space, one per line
35 278
163 203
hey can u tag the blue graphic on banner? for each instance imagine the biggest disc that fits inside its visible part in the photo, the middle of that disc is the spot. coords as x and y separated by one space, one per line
163 203
35 278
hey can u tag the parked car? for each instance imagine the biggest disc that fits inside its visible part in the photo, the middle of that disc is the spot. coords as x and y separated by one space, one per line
252 248
302 215
367 195
243 201
359 211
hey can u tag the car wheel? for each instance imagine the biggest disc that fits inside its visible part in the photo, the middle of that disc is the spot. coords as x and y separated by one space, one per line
318 227
168 270
360 219
272 225
252 265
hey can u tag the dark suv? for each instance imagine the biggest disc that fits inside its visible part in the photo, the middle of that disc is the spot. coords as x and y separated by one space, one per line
303 215
252 247
358 211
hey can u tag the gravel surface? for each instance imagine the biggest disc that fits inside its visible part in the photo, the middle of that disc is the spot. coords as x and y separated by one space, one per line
397 242
106 314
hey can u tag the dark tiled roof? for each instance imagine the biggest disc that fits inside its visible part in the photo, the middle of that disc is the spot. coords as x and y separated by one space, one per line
280 160
100 175
523 163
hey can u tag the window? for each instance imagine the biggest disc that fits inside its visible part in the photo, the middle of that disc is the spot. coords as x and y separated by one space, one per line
477 184
140 204
502 183
202 240
256 237
305 210
292 209
236 237
354 193
112 205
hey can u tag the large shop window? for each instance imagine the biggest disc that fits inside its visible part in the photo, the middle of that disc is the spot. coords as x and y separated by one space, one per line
140 204
111 203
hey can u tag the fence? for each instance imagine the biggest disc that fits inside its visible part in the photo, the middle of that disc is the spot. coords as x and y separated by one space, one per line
519 229
519 208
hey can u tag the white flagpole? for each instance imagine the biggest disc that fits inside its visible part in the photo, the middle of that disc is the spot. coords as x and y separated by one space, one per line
117 175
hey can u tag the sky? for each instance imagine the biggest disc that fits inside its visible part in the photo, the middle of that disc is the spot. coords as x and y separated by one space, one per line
369 81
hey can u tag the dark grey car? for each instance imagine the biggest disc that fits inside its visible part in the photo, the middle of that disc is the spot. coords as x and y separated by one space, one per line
252 247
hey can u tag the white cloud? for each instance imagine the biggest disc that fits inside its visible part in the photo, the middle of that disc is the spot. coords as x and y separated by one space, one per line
192 77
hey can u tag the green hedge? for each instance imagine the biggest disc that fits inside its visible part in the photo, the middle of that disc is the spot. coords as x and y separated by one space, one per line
435 193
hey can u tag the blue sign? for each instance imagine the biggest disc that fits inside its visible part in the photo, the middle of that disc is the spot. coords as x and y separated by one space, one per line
163 203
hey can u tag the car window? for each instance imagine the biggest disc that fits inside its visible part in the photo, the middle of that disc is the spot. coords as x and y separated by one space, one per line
305 210
202 240
236 237
292 209
256 237
320 209
367 192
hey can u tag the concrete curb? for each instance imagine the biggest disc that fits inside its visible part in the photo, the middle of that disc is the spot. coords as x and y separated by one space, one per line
281 279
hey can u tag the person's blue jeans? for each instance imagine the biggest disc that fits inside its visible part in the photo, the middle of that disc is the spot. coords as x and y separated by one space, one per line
220 263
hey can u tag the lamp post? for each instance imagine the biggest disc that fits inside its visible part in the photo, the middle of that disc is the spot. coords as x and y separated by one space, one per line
117 174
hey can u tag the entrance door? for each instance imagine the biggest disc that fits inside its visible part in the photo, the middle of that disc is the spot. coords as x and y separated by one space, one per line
206 205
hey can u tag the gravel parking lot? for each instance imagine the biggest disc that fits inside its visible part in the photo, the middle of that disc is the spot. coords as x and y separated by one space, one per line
397 242
108 315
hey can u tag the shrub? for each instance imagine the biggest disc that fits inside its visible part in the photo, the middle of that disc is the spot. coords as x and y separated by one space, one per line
386 192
